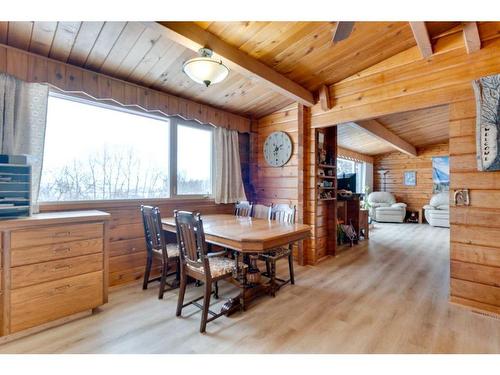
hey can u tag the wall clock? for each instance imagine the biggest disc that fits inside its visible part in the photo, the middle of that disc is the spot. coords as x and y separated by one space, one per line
278 149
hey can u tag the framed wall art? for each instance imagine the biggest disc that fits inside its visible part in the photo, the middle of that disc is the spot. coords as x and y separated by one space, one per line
440 174
410 178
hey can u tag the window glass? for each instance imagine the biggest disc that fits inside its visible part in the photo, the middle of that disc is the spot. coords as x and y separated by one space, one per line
194 159
94 152
345 166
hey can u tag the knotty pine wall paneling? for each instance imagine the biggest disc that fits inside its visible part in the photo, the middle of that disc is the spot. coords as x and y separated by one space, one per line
278 184
271 184
475 229
396 163
295 182
312 245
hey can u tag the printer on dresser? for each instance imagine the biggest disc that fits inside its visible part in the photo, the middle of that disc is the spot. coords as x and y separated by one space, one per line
53 268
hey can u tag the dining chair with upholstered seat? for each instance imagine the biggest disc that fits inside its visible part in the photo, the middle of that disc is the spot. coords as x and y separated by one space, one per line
157 248
284 214
197 263
243 208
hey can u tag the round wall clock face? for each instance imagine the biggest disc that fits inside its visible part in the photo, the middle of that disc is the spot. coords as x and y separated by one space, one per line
277 149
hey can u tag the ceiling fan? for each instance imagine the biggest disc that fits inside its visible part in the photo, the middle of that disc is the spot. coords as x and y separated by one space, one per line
342 30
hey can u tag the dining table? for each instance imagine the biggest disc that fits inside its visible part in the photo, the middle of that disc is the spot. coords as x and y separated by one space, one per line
247 237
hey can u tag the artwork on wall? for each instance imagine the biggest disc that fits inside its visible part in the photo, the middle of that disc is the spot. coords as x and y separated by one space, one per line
487 90
410 178
440 174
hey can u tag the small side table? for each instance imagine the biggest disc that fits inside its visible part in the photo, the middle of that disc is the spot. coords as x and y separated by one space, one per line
363 223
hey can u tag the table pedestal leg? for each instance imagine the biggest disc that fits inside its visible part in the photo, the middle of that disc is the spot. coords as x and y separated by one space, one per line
250 284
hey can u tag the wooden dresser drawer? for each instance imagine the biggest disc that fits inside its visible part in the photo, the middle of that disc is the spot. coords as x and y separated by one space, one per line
54 270
36 254
55 234
45 302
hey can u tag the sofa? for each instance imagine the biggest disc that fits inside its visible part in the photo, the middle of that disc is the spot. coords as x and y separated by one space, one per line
383 207
437 212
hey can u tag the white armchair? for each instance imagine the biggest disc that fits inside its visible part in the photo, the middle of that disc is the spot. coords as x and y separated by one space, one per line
437 212
383 207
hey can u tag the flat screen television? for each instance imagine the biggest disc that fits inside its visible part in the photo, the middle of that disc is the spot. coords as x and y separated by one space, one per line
347 181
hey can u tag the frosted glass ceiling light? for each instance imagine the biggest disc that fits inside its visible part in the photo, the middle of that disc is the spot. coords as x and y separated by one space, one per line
205 69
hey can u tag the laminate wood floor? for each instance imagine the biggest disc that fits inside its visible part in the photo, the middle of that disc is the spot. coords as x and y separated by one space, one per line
386 295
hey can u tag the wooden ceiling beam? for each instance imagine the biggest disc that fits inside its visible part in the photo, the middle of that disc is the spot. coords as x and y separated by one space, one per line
324 98
193 37
379 131
471 37
422 38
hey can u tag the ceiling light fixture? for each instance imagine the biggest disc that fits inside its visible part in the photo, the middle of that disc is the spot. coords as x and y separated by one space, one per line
205 69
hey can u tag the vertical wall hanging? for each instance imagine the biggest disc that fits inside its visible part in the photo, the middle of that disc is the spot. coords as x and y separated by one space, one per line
487 90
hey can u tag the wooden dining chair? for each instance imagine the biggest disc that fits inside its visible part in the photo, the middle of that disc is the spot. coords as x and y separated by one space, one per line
197 263
261 211
157 248
243 208
284 214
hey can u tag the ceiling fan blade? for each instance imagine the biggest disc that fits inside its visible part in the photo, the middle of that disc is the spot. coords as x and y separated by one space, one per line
342 30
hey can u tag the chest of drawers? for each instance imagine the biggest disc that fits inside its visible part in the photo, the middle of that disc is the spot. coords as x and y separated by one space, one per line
53 266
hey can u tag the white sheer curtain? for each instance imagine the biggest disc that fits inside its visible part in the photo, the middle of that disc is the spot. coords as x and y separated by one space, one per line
228 182
23 116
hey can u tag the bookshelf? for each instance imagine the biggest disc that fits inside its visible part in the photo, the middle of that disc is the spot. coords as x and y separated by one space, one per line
326 176
325 183
15 189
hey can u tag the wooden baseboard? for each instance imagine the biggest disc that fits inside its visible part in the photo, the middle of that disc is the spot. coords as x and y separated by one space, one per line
478 307
43 327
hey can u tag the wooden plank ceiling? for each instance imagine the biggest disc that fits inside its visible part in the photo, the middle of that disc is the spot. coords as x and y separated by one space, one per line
302 51
419 128
353 138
